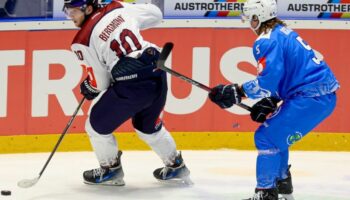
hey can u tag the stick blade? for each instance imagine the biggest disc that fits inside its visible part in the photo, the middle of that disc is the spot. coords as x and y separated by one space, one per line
164 53
26 183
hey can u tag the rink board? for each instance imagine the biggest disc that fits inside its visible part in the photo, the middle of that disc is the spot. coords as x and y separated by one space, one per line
184 141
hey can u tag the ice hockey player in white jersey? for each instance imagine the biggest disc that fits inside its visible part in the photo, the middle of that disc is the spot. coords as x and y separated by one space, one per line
124 83
288 71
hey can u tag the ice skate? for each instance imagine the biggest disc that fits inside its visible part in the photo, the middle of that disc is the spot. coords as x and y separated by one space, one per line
106 175
285 186
176 173
266 194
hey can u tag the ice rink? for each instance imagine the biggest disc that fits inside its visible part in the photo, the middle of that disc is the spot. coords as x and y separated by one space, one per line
218 175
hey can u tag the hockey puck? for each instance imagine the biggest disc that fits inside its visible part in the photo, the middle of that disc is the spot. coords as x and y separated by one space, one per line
235 125
5 192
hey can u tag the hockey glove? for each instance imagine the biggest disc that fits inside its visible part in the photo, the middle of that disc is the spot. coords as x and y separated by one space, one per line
88 91
149 56
263 108
226 95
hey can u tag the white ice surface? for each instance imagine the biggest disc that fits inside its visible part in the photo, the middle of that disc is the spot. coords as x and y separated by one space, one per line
218 175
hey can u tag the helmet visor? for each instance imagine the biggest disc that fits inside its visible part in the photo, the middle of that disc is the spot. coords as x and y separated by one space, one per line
71 7
246 15
72 4
69 12
245 18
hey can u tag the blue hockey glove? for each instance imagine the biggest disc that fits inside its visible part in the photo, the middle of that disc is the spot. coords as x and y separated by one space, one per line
226 95
263 108
88 91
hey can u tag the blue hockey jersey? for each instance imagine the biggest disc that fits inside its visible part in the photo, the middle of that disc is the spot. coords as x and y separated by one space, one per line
287 66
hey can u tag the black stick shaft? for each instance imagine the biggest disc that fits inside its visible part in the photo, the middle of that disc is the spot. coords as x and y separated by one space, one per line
160 64
185 78
198 84
62 135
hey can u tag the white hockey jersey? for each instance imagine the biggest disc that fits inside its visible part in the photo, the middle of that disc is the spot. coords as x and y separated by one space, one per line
110 33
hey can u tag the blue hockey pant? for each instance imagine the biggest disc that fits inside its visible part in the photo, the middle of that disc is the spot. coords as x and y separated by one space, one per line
295 118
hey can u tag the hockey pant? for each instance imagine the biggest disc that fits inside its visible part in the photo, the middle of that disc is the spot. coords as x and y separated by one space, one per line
291 122
143 102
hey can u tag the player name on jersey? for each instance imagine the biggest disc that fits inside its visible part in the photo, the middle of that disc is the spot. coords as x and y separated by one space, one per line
111 27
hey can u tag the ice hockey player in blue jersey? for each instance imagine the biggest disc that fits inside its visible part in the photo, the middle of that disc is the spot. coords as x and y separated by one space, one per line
292 83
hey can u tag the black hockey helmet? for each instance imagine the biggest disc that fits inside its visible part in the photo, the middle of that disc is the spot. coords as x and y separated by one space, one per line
82 4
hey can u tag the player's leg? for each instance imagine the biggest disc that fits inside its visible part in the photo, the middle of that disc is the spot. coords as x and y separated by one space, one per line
284 182
149 127
284 167
105 147
318 109
164 146
267 168
115 106
294 119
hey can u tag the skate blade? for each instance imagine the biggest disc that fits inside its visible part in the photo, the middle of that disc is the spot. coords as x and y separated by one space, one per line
287 197
115 182
186 181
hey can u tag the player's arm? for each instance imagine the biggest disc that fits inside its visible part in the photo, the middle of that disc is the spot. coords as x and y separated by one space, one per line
147 15
270 59
98 78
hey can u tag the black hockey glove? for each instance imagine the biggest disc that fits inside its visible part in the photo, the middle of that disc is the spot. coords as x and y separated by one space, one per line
226 95
263 108
88 91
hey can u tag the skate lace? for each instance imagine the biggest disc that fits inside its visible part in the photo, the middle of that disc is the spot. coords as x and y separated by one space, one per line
164 172
98 172
258 196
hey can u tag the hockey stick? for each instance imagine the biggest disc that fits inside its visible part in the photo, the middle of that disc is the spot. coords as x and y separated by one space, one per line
160 64
26 183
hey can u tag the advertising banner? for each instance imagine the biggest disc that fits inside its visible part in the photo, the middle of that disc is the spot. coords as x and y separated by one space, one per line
314 9
333 9
40 77
203 8
287 9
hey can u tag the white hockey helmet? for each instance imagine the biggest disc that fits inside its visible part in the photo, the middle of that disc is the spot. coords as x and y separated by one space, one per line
264 10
